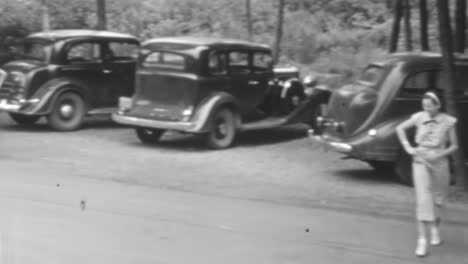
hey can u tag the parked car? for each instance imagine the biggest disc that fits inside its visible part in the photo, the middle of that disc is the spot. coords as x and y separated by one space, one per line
65 75
215 87
362 117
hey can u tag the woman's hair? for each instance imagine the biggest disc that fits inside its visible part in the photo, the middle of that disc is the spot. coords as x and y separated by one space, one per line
434 96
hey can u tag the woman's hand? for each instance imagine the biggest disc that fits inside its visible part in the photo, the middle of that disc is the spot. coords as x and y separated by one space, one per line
410 150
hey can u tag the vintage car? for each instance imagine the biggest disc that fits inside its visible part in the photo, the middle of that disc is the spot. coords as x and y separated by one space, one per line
362 117
65 75
214 87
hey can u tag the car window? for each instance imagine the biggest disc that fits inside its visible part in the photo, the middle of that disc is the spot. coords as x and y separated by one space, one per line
165 60
262 62
421 81
239 62
85 52
122 51
217 63
372 74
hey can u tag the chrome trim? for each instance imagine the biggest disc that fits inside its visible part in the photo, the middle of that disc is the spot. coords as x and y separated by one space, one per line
336 146
142 122
5 106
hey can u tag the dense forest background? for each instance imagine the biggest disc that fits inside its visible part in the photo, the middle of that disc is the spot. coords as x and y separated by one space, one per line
326 36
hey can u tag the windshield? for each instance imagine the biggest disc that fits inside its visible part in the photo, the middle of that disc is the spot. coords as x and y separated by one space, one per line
371 75
35 50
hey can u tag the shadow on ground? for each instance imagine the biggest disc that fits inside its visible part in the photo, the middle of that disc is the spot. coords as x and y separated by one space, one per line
368 175
196 143
42 126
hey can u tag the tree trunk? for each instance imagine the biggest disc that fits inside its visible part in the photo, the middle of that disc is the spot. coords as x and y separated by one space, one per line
408 29
101 14
397 14
45 16
446 43
279 31
460 26
423 16
248 12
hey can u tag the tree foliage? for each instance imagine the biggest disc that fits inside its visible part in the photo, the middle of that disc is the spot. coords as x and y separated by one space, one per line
336 36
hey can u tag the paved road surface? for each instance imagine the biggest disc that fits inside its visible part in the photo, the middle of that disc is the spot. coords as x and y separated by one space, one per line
178 203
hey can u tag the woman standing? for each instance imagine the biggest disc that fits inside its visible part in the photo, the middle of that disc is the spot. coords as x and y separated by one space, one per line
435 141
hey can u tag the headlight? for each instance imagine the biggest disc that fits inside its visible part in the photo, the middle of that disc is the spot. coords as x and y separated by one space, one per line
18 78
287 84
188 111
372 132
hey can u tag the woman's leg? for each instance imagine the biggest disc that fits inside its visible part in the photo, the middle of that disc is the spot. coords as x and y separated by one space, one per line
421 247
424 205
440 175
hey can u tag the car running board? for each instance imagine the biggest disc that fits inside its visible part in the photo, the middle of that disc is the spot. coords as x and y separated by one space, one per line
267 123
102 111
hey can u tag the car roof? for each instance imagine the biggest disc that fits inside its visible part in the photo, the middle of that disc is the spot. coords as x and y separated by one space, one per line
420 59
207 42
63 34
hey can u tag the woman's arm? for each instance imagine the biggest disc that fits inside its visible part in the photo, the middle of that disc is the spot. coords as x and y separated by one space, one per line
453 143
401 132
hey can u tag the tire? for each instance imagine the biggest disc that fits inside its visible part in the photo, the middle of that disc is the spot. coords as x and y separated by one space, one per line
149 135
24 120
68 112
403 169
222 131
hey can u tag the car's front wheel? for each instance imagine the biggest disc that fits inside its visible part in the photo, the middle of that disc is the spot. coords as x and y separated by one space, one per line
149 135
25 120
222 130
68 112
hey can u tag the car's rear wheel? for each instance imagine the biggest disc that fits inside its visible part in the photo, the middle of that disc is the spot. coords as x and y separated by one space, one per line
25 120
68 112
149 135
222 130
403 169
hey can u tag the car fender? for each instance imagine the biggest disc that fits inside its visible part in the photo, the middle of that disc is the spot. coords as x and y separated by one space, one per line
380 142
48 93
208 107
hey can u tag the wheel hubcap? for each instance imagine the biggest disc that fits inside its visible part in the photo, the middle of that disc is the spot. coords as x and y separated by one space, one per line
66 110
221 129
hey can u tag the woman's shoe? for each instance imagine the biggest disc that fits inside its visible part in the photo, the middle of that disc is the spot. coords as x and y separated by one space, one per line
421 248
435 237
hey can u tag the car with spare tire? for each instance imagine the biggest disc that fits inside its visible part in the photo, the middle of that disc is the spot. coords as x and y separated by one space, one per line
214 87
66 75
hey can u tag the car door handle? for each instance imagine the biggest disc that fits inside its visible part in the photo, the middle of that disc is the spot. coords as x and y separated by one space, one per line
106 71
253 82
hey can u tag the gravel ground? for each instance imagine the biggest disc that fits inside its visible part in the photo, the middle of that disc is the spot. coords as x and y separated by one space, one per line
279 166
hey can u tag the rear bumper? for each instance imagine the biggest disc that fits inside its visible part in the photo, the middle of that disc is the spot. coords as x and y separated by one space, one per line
16 106
364 148
340 147
121 118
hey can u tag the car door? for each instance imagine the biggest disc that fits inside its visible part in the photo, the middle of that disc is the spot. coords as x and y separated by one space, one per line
247 86
83 62
119 71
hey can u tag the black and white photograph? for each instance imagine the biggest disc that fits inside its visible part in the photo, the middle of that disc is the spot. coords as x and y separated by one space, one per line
233 131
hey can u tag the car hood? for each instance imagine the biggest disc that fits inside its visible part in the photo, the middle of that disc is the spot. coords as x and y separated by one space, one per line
23 66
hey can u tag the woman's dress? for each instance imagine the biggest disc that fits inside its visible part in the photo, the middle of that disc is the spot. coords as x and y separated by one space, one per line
431 178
